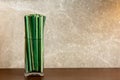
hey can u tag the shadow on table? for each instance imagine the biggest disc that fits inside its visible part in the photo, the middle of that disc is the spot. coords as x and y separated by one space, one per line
34 78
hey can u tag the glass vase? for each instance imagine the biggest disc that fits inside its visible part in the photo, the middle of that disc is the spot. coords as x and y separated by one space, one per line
34 44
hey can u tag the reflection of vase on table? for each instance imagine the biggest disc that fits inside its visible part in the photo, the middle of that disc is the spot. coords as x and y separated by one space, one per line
34 44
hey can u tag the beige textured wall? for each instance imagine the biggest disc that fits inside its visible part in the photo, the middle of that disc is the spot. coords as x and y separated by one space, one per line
78 33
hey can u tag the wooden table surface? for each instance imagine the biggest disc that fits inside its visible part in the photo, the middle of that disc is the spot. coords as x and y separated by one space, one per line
64 74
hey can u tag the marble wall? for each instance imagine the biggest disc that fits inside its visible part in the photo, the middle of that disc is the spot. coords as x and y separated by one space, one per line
78 33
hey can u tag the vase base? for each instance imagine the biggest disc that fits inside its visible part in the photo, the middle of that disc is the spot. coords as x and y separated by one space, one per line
34 74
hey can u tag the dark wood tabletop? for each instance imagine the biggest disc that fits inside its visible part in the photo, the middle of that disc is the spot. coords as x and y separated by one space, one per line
64 74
